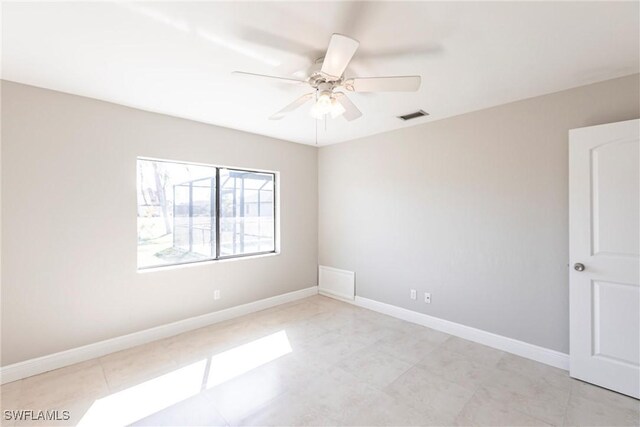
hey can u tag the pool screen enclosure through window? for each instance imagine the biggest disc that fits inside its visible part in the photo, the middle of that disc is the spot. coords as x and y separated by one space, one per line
190 212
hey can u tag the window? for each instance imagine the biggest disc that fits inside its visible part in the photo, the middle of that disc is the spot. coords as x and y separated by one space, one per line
189 213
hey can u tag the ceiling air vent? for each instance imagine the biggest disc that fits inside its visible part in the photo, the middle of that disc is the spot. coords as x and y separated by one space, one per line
415 115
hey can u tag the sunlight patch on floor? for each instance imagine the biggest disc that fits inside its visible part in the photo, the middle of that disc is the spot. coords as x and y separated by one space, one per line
149 397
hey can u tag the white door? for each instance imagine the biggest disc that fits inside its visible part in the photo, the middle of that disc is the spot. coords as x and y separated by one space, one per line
604 213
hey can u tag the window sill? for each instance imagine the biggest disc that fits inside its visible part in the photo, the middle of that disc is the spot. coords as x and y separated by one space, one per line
203 263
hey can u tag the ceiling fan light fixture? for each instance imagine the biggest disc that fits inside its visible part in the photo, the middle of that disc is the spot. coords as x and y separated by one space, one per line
324 100
326 104
318 111
337 109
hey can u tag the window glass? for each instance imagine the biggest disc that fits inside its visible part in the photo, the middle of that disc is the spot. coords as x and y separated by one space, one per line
176 213
177 205
246 212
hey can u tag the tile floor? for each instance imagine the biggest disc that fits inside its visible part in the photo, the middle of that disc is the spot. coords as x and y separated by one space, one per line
316 361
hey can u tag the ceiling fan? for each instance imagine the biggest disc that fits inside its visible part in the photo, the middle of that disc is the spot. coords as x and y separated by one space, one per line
326 76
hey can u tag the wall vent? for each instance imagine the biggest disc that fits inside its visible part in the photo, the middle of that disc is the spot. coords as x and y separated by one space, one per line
415 115
336 283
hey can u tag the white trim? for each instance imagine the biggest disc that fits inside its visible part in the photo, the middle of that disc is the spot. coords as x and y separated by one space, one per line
42 364
510 345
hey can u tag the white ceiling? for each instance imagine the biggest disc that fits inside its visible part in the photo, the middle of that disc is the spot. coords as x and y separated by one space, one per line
176 57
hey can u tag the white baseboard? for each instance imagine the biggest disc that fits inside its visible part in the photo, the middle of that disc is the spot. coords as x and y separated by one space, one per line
510 345
50 362
53 361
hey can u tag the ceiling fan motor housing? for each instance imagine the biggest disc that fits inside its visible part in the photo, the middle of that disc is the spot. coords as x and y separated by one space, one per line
317 77
325 89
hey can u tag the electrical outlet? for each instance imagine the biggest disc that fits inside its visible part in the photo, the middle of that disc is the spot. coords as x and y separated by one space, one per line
427 297
216 294
414 294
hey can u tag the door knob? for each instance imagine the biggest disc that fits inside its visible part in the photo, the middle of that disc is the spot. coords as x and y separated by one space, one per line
578 266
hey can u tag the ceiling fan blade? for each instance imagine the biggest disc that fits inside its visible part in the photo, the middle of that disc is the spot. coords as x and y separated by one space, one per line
272 78
351 112
294 105
341 50
383 84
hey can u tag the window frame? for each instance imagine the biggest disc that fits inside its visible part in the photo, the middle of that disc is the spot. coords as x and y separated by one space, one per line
218 256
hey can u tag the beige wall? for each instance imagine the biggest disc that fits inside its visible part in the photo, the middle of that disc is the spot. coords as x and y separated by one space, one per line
473 209
69 221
